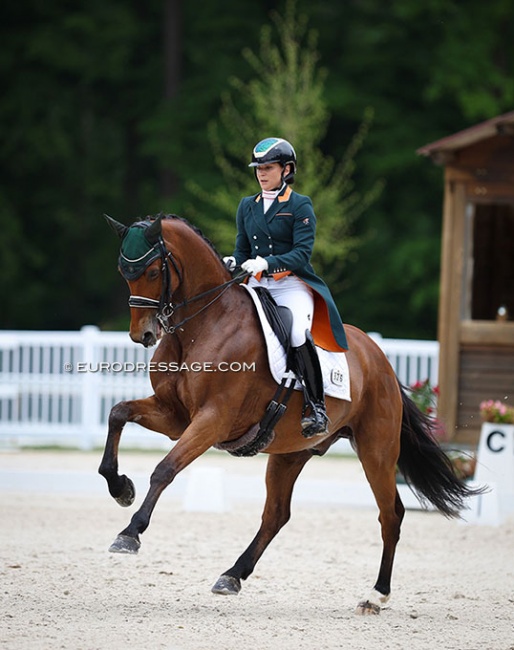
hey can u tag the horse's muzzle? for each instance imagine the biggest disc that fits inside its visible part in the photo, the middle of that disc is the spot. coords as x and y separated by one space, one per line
148 332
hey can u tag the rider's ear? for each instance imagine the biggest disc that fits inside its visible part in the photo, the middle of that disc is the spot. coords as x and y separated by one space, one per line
153 232
118 227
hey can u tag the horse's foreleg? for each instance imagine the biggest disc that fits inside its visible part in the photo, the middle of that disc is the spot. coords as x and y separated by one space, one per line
145 412
382 479
195 440
281 474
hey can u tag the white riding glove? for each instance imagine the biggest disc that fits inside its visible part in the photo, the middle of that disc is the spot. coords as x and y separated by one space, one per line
230 263
258 265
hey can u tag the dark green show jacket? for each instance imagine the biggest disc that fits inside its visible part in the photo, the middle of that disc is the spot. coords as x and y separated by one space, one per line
284 236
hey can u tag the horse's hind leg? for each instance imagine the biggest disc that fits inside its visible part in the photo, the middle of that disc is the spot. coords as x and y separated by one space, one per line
145 412
281 474
380 468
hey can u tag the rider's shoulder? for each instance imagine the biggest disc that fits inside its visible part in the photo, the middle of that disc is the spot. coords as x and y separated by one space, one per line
300 199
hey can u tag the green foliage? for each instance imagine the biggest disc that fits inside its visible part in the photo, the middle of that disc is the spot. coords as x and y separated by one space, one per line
86 127
66 116
428 69
425 396
475 66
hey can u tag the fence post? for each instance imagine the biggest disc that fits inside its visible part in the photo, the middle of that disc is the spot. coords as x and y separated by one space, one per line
90 386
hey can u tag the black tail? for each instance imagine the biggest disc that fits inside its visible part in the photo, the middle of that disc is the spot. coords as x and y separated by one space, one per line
425 466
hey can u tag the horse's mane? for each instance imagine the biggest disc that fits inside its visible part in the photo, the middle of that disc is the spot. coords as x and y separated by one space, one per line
195 229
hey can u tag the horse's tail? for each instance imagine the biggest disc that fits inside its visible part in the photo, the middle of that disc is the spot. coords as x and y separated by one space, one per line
425 466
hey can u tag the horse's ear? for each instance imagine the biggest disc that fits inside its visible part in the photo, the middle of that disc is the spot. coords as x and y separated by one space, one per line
118 227
153 232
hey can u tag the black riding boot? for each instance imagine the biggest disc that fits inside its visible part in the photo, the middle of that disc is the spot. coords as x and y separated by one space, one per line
308 369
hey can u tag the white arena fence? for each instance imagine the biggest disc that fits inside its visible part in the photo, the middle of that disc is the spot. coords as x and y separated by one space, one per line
57 388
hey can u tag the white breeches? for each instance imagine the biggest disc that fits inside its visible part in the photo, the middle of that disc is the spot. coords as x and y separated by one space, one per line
293 293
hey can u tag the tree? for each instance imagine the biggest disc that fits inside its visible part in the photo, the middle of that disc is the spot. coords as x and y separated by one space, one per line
87 126
285 98
429 69
73 97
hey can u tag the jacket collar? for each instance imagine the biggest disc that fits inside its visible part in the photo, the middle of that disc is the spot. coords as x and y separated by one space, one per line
262 220
276 206
278 203
284 196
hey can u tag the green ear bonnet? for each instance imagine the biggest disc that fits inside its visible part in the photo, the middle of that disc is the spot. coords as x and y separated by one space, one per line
137 253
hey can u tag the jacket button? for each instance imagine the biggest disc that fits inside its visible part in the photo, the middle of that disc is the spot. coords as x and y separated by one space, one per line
255 236
256 248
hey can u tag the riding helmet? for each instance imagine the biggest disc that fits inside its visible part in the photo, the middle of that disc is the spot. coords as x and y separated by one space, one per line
271 150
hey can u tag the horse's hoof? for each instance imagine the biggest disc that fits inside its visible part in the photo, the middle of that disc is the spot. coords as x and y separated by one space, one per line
128 494
373 604
367 608
227 586
125 544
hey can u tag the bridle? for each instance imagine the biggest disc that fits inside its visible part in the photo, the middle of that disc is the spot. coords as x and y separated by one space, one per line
165 306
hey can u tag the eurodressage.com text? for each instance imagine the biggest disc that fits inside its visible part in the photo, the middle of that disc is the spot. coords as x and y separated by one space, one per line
160 366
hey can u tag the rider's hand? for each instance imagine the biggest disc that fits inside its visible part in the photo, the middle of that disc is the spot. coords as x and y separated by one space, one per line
258 265
230 263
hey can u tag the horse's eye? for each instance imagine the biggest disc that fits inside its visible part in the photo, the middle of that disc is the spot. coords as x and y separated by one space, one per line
153 274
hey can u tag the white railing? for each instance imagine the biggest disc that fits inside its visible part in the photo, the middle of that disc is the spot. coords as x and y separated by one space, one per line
412 360
57 388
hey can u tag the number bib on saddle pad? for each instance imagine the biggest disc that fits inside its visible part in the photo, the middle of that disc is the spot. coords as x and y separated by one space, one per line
334 365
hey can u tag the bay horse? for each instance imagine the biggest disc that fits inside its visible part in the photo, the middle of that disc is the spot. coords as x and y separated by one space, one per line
185 297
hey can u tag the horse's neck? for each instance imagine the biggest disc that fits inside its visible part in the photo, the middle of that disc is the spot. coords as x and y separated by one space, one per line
201 273
201 268
229 316
207 274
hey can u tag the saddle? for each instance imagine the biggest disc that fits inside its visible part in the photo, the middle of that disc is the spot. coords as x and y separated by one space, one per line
279 317
261 435
278 342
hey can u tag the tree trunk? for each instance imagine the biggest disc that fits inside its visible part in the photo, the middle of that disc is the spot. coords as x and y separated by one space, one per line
172 35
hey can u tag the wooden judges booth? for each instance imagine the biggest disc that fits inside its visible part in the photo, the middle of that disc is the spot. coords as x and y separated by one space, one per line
476 306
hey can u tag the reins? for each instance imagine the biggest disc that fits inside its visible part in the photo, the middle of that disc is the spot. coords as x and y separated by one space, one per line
221 287
166 308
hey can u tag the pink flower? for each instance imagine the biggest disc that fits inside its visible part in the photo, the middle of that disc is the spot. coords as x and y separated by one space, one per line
496 411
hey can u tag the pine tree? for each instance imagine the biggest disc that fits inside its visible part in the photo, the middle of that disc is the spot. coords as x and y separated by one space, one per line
285 98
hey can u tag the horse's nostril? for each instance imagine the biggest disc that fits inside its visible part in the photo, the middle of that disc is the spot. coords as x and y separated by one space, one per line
148 339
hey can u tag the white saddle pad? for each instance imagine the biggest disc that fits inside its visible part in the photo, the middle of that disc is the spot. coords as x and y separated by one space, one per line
334 365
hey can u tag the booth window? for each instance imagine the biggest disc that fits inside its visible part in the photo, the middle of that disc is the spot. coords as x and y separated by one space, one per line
492 285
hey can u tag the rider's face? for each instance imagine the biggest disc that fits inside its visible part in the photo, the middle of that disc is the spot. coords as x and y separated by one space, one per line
270 176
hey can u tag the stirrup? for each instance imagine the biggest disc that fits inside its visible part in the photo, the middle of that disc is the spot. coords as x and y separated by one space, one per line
316 423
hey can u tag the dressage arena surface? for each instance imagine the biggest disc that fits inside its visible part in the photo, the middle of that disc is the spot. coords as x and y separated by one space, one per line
453 584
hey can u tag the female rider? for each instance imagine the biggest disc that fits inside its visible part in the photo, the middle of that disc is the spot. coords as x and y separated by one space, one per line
275 237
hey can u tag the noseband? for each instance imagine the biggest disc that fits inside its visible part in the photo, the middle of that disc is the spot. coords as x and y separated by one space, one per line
165 307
